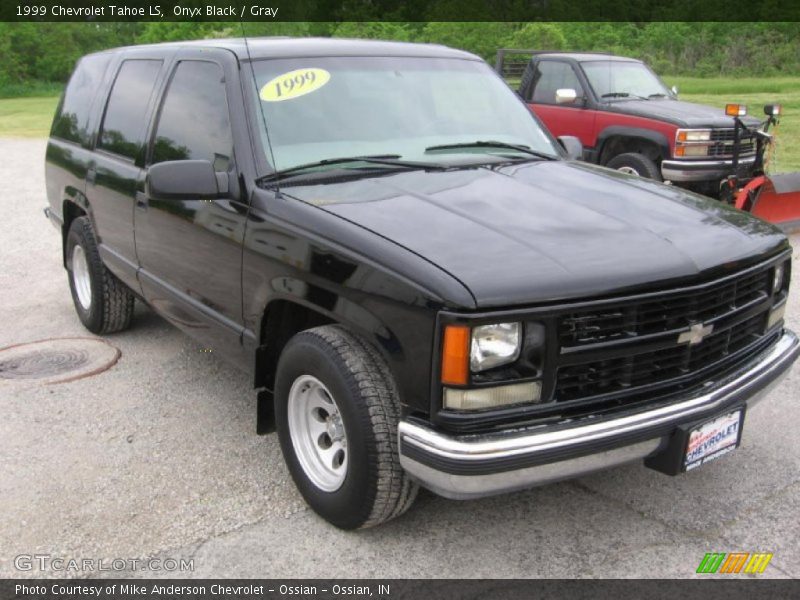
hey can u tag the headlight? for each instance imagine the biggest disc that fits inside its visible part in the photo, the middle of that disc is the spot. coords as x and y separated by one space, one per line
773 110
494 345
690 142
699 150
492 397
693 135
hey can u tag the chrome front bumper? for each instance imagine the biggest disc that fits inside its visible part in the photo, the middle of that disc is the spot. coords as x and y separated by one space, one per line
475 465
700 170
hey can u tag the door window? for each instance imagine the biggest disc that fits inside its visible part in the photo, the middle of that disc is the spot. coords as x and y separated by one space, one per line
553 75
124 122
73 114
194 122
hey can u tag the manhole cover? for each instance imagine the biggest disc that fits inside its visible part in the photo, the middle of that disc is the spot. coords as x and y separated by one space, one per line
58 360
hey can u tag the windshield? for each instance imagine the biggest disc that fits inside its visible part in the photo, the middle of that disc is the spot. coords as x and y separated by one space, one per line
327 108
616 79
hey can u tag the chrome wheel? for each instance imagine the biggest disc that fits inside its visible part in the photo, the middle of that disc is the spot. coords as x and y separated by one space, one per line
81 277
317 433
629 171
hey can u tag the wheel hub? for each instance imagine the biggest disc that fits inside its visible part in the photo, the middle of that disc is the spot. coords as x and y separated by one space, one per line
335 427
628 170
81 278
318 434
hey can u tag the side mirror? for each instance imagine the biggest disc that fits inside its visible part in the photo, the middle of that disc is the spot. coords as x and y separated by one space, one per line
572 146
674 90
566 96
186 180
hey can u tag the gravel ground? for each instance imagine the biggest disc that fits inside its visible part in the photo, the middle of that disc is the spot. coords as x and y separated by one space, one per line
157 457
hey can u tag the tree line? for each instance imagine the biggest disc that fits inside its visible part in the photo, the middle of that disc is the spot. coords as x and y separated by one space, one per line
46 52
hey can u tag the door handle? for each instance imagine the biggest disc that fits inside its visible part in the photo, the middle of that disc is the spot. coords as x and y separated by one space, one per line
141 201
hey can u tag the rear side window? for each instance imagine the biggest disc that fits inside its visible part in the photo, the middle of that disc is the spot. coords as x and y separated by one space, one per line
551 76
123 125
73 115
194 121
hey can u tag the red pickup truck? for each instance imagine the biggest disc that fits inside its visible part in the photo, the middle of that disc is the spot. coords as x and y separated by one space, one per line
628 119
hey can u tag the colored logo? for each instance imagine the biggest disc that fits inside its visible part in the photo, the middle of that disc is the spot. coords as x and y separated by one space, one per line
734 562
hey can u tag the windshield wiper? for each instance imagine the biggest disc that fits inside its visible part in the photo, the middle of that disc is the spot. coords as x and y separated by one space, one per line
493 144
658 95
377 159
622 95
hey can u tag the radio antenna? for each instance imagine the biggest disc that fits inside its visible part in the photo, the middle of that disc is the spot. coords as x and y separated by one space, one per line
260 106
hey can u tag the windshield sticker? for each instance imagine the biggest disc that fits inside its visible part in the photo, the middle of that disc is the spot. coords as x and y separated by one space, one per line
294 84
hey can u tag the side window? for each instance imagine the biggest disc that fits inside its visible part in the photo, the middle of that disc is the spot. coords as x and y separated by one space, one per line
194 121
73 113
553 75
124 122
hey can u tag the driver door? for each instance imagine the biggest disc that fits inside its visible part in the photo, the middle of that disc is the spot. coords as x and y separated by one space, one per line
561 119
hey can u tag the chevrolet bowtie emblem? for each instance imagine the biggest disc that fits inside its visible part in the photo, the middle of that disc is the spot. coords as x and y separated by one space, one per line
696 334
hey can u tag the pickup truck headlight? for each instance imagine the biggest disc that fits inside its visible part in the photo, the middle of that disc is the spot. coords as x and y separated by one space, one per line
477 349
690 142
494 345
693 135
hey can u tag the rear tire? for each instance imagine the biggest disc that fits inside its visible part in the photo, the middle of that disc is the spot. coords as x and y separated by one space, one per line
635 164
103 303
341 444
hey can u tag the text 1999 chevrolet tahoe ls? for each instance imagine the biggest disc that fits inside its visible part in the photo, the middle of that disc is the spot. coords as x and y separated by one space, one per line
424 286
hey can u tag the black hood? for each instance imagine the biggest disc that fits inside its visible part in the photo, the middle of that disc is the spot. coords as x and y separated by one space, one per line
549 230
683 114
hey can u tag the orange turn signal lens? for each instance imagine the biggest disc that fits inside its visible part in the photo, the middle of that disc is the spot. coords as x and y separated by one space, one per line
681 136
455 355
735 110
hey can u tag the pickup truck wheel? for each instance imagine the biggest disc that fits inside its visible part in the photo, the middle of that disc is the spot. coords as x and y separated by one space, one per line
103 303
635 164
336 409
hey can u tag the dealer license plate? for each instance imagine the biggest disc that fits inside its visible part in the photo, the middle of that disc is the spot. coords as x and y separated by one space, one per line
713 439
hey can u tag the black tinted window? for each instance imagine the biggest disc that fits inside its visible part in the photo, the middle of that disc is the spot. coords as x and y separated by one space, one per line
124 126
194 121
551 76
73 115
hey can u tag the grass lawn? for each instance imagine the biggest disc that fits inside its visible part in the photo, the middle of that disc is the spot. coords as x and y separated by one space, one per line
26 117
31 117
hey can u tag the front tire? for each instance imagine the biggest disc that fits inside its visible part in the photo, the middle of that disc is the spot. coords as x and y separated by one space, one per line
635 164
103 303
337 409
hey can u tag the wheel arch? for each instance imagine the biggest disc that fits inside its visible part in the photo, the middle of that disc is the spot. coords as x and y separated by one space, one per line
616 140
71 208
285 316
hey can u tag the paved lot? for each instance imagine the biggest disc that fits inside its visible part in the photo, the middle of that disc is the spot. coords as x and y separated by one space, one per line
158 457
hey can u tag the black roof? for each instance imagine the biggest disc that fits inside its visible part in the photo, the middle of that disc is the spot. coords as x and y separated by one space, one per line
290 47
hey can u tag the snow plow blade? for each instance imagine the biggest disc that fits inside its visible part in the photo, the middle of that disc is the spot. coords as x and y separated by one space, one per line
775 198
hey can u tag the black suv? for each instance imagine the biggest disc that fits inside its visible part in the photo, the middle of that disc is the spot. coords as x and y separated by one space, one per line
425 288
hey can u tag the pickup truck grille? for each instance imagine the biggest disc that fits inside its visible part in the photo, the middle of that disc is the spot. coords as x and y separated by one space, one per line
634 347
661 314
724 143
